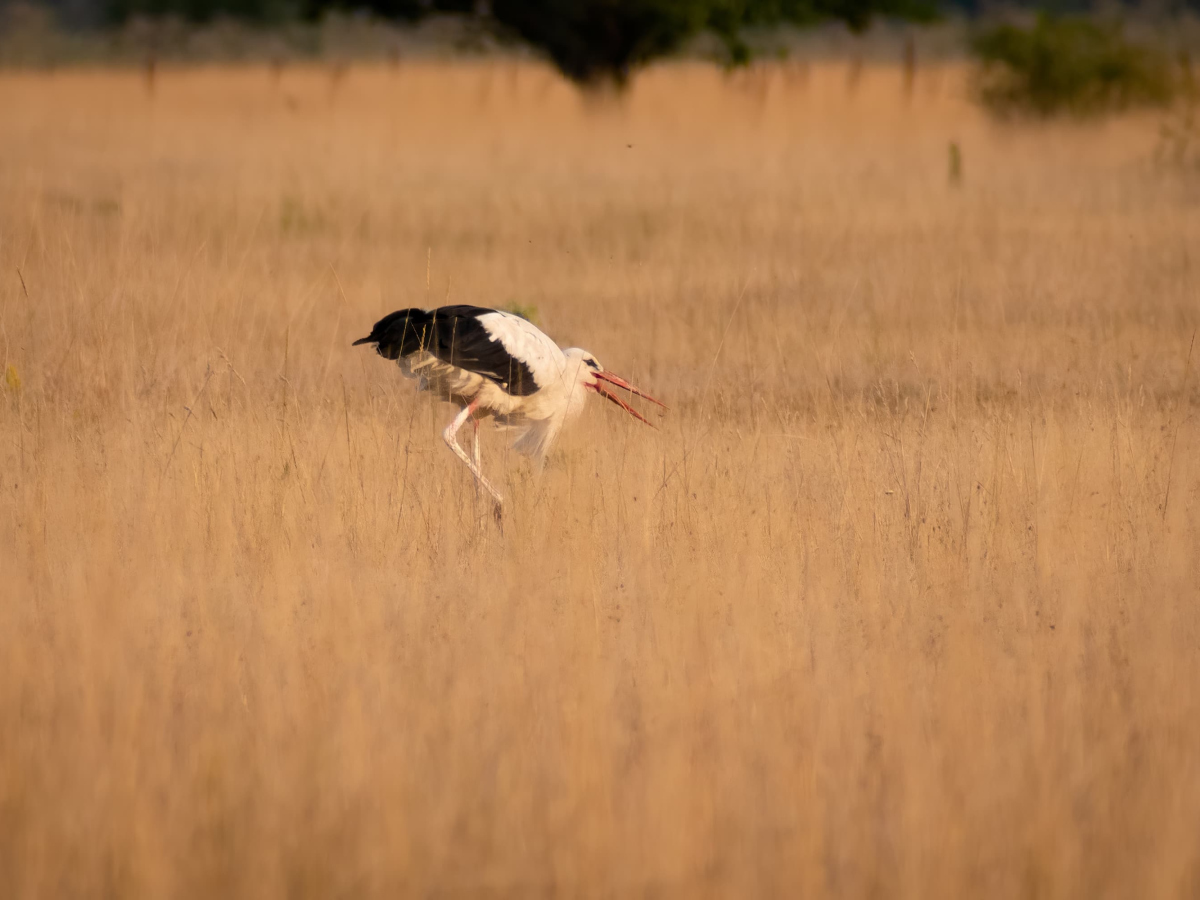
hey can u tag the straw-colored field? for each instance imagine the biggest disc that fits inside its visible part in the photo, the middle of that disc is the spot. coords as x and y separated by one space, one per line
901 600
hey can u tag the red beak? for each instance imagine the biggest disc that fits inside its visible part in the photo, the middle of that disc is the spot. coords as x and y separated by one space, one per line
622 383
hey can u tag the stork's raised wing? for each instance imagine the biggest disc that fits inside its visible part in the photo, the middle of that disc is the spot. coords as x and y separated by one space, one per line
500 346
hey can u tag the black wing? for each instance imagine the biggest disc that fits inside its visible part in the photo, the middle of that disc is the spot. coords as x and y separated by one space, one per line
454 335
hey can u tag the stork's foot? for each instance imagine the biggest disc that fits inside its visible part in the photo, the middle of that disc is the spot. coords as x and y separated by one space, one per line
481 482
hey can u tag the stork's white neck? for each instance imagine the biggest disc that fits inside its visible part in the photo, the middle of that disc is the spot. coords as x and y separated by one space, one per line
576 379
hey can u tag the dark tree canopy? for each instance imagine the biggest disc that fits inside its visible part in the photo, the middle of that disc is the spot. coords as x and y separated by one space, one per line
278 11
590 41
605 40
597 40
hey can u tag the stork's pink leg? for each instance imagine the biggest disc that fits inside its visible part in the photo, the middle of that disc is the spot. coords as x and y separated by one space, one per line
450 437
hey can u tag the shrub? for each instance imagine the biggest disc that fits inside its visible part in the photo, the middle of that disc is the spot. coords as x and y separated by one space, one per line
1071 65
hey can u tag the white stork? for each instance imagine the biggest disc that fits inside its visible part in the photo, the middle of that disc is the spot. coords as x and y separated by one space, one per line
495 363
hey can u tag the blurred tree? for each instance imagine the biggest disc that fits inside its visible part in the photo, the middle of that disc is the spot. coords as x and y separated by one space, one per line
729 19
590 41
603 41
273 11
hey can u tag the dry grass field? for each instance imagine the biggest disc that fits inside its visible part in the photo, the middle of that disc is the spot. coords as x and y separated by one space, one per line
901 599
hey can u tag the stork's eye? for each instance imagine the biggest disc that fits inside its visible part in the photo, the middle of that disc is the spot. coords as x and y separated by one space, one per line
591 362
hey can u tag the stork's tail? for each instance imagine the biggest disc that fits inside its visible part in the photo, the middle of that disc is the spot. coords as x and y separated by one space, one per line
401 333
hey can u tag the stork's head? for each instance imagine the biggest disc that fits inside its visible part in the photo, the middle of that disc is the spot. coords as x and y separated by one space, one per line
590 375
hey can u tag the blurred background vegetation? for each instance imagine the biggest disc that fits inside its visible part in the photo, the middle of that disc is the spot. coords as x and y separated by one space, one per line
1072 64
1067 57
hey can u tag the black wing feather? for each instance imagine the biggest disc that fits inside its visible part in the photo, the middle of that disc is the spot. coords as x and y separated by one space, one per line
454 335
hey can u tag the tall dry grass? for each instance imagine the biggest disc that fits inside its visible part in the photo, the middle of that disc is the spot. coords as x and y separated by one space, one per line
901 599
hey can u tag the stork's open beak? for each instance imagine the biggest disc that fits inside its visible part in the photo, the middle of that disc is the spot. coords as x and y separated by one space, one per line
622 383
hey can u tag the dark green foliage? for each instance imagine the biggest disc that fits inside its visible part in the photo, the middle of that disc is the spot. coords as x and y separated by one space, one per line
262 11
277 11
598 40
590 41
856 14
1068 65
594 41
729 19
